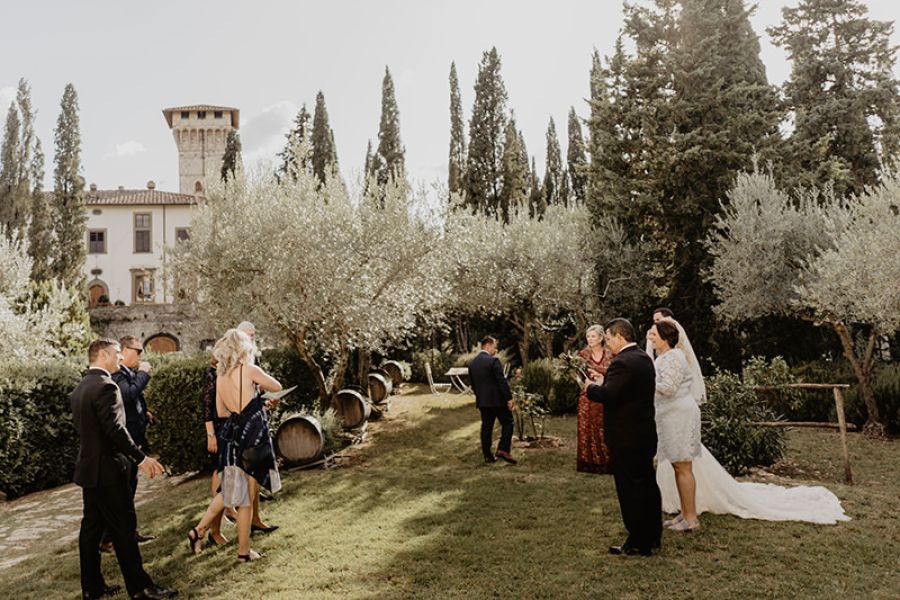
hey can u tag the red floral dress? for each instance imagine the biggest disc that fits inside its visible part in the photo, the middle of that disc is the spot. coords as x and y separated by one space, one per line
593 455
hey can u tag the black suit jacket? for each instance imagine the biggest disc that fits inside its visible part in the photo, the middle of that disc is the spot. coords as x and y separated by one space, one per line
106 447
131 385
488 382
627 397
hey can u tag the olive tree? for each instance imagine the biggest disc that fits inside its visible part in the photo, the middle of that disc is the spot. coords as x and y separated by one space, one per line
828 260
328 272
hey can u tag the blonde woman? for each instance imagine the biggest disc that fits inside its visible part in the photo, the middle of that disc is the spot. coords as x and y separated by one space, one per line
245 457
592 455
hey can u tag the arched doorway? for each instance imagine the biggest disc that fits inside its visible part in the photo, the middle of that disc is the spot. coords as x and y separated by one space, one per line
96 290
161 343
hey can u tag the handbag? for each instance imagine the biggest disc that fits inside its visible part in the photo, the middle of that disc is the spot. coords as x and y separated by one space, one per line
259 456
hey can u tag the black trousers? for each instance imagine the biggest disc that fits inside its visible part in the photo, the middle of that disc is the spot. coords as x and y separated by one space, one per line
488 415
133 482
639 497
111 508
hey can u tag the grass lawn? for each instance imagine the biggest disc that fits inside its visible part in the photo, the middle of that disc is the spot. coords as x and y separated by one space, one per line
416 514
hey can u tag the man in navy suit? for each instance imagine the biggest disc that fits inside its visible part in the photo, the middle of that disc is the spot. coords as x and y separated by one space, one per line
494 399
132 378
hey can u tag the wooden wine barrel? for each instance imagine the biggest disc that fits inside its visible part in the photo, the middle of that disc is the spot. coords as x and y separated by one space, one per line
353 407
395 370
380 387
299 439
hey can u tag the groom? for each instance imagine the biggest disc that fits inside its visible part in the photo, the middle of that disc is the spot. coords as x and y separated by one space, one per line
627 395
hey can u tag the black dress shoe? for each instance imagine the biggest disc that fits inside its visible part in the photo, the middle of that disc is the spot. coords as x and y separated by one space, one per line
629 550
154 592
109 590
268 529
507 457
490 459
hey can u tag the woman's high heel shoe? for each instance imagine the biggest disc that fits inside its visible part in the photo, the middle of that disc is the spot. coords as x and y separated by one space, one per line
211 540
250 556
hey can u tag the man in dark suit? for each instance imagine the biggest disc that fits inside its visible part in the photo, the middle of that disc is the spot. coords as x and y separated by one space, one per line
494 399
132 378
630 426
102 472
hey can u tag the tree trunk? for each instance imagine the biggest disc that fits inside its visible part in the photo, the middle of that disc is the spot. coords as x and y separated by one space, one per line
364 366
862 368
462 334
316 370
525 329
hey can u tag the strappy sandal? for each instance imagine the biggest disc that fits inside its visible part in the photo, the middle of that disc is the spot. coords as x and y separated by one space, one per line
671 523
685 526
194 538
211 540
250 556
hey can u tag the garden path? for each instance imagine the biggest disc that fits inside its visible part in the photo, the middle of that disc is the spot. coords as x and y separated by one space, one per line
48 520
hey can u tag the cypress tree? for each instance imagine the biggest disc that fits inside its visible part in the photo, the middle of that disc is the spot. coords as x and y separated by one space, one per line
576 159
516 177
367 169
487 128
296 152
324 154
553 170
536 201
9 173
842 94
40 232
26 147
388 162
68 196
457 163
231 160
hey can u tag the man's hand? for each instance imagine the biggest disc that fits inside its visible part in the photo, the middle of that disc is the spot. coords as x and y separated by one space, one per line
151 467
510 404
144 366
151 418
211 445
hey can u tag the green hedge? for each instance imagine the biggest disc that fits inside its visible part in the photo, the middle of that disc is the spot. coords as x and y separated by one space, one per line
728 432
560 392
173 396
38 442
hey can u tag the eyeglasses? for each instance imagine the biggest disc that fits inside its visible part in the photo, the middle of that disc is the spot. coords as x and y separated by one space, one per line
138 350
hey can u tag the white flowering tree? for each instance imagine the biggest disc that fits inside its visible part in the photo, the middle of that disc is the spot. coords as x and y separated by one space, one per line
37 320
328 273
539 272
823 259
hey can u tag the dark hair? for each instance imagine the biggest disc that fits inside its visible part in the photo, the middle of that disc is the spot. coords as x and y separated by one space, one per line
488 339
621 327
98 345
668 331
666 312
129 340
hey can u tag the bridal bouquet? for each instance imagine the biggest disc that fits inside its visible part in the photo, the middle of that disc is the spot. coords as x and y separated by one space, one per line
573 365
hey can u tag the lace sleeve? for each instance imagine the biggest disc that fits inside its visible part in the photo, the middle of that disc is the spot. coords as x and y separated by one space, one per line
208 395
669 374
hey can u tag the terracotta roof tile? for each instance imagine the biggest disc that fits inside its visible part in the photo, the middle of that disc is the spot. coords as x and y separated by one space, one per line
134 198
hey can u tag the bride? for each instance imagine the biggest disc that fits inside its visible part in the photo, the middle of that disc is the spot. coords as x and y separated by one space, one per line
690 479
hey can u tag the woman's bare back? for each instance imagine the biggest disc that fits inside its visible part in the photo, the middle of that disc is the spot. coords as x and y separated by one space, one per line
235 389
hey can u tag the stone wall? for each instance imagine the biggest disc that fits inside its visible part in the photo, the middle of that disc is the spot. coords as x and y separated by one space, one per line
155 324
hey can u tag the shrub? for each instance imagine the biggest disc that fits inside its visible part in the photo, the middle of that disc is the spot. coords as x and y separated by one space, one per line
38 442
728 432
173 396
463 360
286 365
545 378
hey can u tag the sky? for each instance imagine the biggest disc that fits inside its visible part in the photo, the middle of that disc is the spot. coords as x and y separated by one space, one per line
129 60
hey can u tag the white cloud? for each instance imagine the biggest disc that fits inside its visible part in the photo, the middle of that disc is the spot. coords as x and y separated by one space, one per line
7 95
262 135
125 149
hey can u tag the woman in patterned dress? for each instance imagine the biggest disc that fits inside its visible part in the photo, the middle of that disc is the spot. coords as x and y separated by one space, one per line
593 455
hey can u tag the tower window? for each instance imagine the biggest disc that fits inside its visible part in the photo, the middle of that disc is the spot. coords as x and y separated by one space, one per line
201 114
185 114
217 114
198 187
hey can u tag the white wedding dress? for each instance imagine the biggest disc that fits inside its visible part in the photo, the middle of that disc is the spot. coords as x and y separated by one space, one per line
680 390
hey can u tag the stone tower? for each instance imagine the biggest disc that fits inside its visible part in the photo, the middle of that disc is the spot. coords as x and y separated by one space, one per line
200 132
